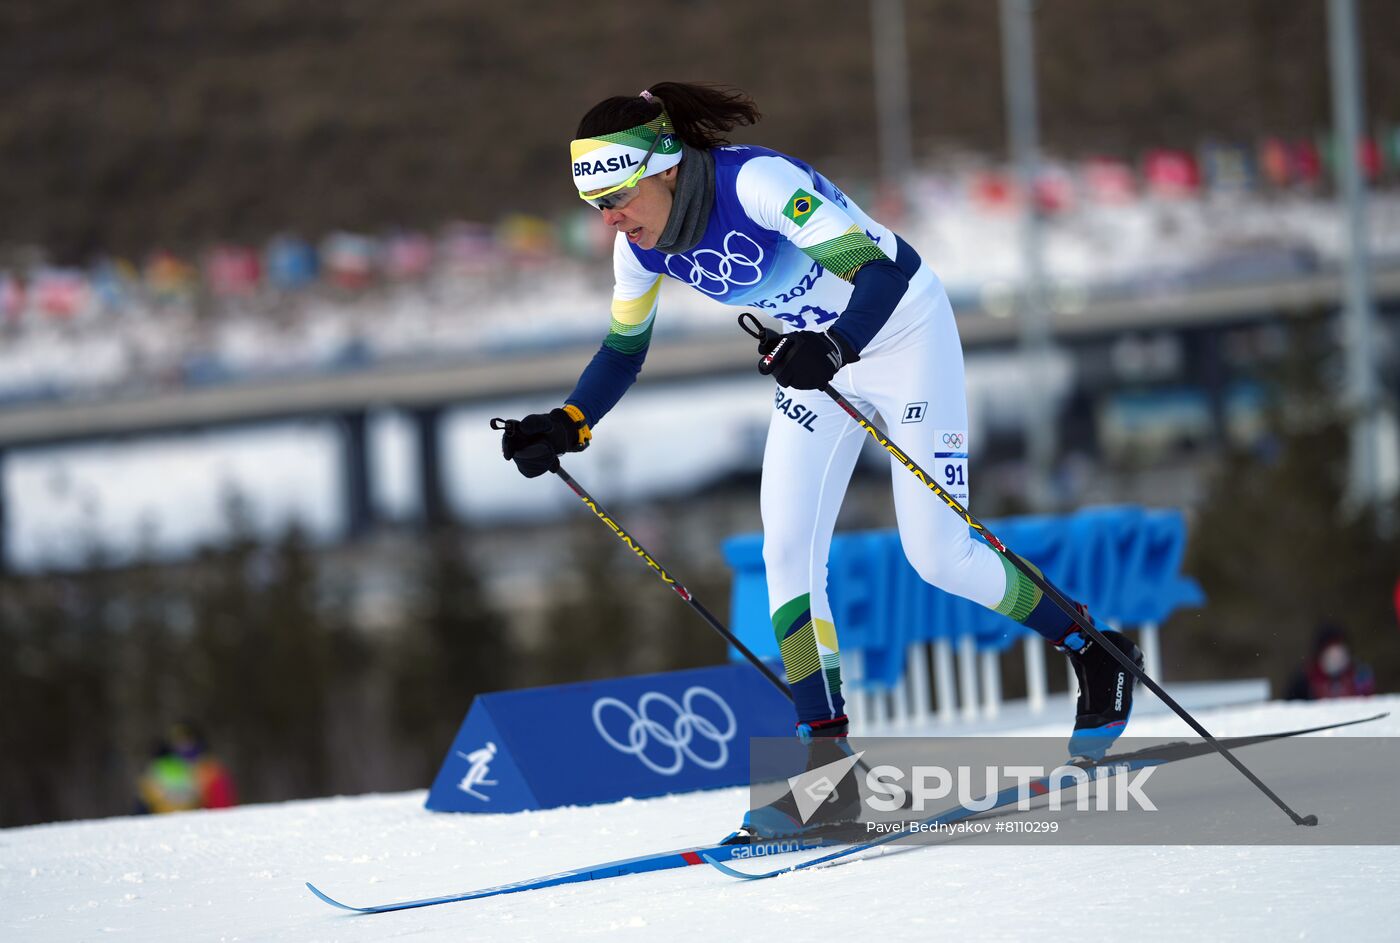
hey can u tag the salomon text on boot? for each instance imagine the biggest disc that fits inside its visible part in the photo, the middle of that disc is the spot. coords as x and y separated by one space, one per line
1105 691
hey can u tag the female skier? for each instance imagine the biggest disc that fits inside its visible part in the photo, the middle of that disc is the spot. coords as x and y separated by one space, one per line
752 227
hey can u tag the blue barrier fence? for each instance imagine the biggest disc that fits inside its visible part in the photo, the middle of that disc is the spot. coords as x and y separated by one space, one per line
1123 562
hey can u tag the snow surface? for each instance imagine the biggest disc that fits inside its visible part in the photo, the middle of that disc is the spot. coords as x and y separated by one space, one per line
238 875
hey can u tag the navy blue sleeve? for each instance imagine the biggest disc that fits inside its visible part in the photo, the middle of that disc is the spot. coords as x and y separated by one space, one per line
608 375
879 286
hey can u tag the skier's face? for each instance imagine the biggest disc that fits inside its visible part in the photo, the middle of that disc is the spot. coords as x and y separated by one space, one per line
643 217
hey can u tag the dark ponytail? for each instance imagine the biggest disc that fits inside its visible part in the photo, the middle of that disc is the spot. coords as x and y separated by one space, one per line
701 112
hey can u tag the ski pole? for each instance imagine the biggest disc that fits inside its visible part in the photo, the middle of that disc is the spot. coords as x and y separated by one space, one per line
658 569
1045 586
675 584
666 577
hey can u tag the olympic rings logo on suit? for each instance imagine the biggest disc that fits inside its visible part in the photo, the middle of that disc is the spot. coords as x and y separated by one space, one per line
955 439
730 269
643 728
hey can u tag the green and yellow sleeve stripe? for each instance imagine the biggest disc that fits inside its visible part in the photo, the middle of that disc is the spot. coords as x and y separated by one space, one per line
632 320
845 254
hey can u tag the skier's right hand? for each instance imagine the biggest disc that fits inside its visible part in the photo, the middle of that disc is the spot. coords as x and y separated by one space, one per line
536 442
767 338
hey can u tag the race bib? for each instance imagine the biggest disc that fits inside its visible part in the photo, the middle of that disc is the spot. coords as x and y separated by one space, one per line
950 461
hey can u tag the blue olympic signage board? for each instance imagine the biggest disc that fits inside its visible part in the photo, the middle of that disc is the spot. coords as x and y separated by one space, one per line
601 741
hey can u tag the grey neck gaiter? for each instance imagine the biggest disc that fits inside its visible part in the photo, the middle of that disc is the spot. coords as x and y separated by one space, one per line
690 208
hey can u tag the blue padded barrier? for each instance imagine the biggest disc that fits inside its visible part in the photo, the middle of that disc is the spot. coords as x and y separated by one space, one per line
1122 562
601 741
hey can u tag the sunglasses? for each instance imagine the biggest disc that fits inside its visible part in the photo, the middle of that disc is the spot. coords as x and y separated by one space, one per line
615 198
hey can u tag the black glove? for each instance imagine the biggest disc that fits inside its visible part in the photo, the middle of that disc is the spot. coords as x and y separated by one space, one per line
536 442
767 340
806 360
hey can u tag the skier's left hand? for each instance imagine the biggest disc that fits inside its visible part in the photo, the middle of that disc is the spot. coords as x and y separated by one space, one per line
807 360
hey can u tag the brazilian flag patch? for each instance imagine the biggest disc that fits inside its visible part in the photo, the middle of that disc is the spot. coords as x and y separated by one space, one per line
800 207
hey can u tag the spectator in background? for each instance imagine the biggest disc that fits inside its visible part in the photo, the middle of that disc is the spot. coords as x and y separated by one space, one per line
1331 671
183 775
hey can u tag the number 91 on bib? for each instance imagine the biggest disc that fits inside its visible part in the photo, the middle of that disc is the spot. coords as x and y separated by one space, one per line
950 461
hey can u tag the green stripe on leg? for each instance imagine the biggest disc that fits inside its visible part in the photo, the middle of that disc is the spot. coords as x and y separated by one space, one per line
785 619
1021 594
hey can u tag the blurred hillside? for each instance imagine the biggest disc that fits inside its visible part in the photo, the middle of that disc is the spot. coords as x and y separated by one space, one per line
157 122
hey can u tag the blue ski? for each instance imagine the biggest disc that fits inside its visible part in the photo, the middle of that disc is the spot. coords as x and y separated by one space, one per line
718 854
1109 765
662 861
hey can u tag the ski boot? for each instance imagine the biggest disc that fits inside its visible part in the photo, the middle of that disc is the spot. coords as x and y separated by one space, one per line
1105 691
839 803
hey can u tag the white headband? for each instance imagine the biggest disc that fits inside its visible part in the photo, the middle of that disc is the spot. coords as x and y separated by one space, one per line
610 159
